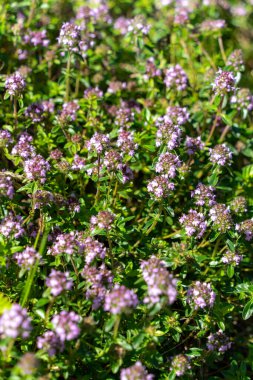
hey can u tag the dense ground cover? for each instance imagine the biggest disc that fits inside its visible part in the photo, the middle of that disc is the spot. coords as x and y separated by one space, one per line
126 189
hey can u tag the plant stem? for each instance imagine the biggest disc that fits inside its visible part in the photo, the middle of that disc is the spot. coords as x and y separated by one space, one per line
98 182
223 54
215 122
15 110
116 327
155 219
68 77
32 272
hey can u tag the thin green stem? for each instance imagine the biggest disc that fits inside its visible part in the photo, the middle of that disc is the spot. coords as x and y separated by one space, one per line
156 219
98 181
116 327
223 54
68 77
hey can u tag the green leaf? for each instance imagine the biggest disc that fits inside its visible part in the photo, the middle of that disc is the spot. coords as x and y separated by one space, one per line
248 310
4 303
230 271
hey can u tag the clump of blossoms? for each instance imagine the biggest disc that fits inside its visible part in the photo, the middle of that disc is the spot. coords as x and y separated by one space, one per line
220 155
36 168
27 258
64 243
218 342
201 295
69 112
242 100
221 217
176 115
15 323
37 38
100 280
98 143
160 187
91 248
69 37
231 258
168 134
135 372
11 225
6 186
238 205
160 282
180 364
5 138
194 223
23 148
235 60
167 164
212 25
126 142
204 195
58 282
65 325
175 77
193 144
224 82
15 84
246 228
50 342
120 300
138 26
103 220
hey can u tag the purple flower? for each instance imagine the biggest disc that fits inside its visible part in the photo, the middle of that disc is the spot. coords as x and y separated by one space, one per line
224 82
112 160
138 26
15 323
238 205
135 372
221 217
204 195
168 134
92 249
65 325
11 225
64 243
201 295
160 187
58 282
35 112
126 142
231 258
36 168
23 148
69 36
120 300
6 186
27 258
99 281
194 223
220 155
50 342
181 15
243 100
15 84
212 25
78 162
167 164
235 60
176 115
246 227
180 364
193 144
151 70
160 282
218 342
69 112
5 138
103 220
37 38
175 77
98 143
